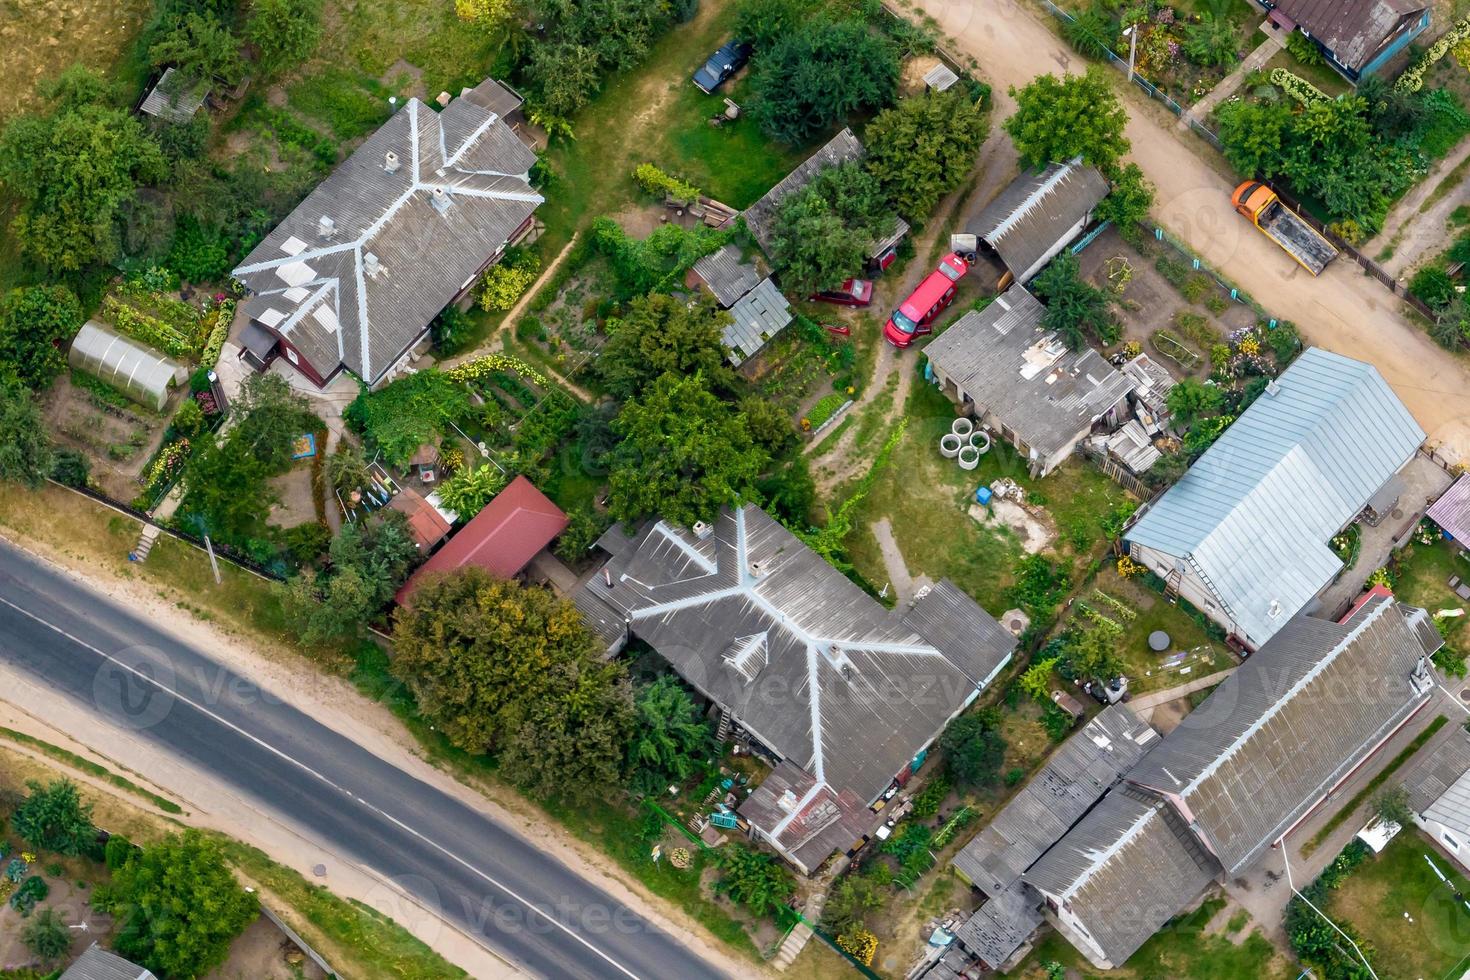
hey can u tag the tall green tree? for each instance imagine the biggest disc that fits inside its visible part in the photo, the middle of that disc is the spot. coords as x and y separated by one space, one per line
35 323
683 454
368 561
761 23
924 147
75 169
482 654
284 32
570 747
818 75
1211 41
670 740
53 817
1129 200
26 455
659 333
178 905
823 232
1252 134
974 749
201 49
1074 307
1057 119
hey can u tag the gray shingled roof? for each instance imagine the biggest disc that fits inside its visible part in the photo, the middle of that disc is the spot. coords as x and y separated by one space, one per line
1001 924
809 663
823 820
1290 723
1255 514
1072 781
755 319
99 964
459 191
1353 30
1438 782
1127 868
173 99
1003 359
1029 217
760 216
726 276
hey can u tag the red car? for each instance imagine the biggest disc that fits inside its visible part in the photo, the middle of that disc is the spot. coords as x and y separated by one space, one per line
915 315
854 292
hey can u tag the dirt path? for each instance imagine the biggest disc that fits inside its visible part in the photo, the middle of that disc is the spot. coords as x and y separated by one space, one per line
1414 231
905 585
496 340
334 702
995 166
1342 310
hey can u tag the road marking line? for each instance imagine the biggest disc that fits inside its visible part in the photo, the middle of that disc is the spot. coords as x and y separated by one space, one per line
530 906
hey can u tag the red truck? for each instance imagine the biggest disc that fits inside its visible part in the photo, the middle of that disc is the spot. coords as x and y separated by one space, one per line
915 315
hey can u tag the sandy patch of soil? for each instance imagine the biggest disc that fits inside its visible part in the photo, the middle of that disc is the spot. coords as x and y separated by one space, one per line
1034 531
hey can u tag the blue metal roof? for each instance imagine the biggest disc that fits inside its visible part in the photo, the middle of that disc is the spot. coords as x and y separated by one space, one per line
1255 513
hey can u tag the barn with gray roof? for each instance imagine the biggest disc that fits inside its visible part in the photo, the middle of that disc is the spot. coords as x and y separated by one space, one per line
1003 367
1244 535
1037 215
353 277
843 691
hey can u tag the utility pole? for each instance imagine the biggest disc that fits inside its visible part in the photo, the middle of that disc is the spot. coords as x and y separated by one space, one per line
212 562
1132 33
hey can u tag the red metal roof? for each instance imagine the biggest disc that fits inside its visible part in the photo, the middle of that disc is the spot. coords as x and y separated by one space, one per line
502 538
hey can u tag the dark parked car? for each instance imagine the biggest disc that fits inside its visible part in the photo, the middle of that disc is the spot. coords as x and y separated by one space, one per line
721 65
854 292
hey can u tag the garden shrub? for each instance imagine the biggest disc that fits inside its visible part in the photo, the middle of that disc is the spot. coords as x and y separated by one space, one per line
1434 286
1304 50
1297 87
655 181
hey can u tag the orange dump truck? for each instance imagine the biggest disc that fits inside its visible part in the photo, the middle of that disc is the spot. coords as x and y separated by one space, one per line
1283 226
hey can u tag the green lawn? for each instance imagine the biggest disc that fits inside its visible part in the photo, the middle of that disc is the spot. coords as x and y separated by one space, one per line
926 498
1322 76
1375 898
655 115
1424 572
1203 655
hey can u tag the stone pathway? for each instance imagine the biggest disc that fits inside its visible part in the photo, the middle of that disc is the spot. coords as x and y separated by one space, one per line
1257 59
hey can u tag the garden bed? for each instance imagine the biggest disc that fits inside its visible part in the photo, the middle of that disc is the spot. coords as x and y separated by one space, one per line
118 436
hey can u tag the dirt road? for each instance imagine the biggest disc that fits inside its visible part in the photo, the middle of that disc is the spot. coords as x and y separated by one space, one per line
1342 310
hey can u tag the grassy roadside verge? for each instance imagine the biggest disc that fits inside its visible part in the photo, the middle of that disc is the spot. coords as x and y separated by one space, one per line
91 768
357 940
374 945
1351 806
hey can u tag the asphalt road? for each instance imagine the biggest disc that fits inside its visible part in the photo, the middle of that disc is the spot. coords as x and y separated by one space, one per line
519 902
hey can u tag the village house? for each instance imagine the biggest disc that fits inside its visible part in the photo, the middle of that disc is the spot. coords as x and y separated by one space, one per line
1020 380
1357 37
1036 216
843 696
1244 535
352 278
1438 784
503 538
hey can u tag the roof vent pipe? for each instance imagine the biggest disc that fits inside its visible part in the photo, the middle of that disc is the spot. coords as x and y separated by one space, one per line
440 200
370 264
1273 387
325 227
390 162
